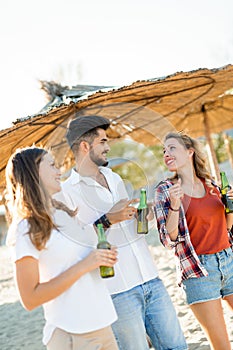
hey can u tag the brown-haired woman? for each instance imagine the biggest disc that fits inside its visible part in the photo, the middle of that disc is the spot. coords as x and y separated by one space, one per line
52 269
191 219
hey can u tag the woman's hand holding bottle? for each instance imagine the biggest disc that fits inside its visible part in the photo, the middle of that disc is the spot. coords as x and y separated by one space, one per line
99 257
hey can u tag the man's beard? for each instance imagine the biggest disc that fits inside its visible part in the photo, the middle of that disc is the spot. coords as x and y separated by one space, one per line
98 161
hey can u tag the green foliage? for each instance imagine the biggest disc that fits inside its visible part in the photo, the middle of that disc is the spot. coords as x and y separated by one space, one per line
231 145
220 148
141 163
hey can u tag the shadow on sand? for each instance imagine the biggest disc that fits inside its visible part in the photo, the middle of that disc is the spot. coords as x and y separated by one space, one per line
21 329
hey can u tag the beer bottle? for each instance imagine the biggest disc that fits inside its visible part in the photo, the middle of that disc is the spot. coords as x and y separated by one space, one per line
142 212
105 271
224 188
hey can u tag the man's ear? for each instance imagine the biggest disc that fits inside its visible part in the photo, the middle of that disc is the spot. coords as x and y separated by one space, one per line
84 146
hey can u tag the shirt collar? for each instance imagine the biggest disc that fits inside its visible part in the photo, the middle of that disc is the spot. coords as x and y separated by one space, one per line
77 178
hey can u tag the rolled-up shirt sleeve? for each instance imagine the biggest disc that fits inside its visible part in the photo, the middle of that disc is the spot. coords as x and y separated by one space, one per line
161 212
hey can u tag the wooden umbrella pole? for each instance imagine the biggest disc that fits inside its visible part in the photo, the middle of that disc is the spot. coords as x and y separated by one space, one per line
228 148
210 143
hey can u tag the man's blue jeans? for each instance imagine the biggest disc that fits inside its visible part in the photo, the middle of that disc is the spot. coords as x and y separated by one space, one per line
147 309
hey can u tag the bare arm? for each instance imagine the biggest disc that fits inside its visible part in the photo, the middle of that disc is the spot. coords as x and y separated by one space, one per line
176 193
33 293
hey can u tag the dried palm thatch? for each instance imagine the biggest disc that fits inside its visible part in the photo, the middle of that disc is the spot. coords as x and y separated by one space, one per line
199 101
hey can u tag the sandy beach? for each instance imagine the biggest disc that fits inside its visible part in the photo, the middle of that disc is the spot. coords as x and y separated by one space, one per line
22 330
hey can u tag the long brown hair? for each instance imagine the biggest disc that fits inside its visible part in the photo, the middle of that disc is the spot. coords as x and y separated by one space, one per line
26 197
199 159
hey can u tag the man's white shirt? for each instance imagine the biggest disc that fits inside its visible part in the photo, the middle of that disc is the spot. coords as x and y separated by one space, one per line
135 264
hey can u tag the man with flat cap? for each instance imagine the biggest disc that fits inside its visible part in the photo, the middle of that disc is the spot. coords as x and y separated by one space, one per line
140 298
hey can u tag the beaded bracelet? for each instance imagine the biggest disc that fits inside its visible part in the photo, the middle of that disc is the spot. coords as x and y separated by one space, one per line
174 209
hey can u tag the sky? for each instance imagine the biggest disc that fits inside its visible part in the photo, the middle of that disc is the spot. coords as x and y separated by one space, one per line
104 42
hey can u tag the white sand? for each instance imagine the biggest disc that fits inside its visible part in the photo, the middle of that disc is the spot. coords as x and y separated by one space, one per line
22 330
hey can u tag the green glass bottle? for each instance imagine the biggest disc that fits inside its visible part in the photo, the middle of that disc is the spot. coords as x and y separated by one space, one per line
224 188
105 271
142 211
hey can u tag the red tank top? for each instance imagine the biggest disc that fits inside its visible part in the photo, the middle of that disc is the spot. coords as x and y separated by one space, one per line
206 222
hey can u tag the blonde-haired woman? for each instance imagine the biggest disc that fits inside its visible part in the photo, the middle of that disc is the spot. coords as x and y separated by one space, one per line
191 219
52 269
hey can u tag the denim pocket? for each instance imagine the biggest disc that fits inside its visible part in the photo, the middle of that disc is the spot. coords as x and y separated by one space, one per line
202 259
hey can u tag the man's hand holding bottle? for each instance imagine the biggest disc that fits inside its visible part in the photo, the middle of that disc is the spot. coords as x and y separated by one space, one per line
122 210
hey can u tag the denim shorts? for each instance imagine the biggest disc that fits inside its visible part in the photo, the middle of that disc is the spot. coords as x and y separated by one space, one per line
219 282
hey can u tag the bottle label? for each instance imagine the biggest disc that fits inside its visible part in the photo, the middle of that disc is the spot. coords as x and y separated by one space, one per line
106 272
142 222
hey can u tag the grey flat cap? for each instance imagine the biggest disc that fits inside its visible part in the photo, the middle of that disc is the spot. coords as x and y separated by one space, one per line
80 125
